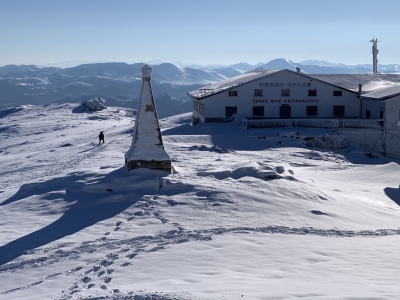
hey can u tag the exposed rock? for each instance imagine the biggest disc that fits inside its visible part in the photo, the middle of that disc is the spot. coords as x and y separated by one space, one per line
95 104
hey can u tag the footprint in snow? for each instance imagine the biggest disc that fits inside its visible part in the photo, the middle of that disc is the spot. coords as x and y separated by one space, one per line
86 279
106 263
118 223
130 256
318 212
107 279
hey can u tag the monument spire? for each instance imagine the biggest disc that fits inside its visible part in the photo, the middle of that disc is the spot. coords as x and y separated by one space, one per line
147 148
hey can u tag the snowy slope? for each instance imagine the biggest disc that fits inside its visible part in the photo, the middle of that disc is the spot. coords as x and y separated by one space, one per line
76 225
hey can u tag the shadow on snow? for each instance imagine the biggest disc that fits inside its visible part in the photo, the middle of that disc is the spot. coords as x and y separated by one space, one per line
234 136
89 204
393 194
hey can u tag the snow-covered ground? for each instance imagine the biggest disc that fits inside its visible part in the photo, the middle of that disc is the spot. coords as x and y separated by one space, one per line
76 225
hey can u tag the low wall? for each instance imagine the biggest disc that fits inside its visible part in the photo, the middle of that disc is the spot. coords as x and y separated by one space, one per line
365 132
368 138
313 123
393 144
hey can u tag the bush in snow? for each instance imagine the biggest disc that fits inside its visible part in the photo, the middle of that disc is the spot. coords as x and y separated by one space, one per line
95 104
330 142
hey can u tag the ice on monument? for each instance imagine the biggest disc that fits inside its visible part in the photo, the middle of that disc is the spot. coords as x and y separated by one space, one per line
147 148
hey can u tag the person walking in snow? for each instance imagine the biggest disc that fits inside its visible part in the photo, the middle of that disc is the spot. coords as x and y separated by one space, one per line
101 137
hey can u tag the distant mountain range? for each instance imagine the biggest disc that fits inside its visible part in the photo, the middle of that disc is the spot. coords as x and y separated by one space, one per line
119 83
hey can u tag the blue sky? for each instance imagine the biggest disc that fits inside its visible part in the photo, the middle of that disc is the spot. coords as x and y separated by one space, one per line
204 32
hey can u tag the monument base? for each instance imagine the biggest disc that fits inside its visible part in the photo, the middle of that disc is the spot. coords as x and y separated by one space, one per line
164 165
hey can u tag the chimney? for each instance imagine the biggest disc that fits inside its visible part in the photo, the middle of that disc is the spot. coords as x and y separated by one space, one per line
359 88
298 69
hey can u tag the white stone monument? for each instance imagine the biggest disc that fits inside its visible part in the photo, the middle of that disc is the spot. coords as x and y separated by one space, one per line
147 149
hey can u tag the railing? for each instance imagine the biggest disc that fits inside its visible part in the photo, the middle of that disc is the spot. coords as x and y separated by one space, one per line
313 123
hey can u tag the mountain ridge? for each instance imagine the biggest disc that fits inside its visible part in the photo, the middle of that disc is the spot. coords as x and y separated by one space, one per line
39 85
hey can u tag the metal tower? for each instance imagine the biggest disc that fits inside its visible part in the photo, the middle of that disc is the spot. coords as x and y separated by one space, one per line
375 52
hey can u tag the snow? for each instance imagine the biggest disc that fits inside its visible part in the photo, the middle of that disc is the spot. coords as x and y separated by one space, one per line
78 83
230 82
76 225
375 86
379 89
329 142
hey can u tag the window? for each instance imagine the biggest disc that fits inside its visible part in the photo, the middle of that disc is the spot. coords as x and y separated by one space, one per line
258 92
312 93
338 110
381 114
368 114
285 92
232 93
258 111
337 93
312 110
198 107
230 111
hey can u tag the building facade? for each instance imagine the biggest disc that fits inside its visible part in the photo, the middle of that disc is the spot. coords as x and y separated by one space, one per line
265 95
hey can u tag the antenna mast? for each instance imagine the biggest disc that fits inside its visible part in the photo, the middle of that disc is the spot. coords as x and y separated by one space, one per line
375 52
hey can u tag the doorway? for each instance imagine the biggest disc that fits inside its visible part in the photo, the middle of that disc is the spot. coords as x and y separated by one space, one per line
285 111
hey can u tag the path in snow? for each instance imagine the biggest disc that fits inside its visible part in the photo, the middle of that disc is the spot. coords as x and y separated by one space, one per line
134 246
53 170
117 254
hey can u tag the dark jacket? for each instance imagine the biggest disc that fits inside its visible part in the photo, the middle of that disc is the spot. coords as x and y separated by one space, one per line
101 136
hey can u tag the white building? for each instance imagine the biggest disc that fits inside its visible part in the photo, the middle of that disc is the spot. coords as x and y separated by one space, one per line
366 107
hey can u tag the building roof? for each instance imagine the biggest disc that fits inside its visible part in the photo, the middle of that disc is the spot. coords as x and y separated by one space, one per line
374 86
229 83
